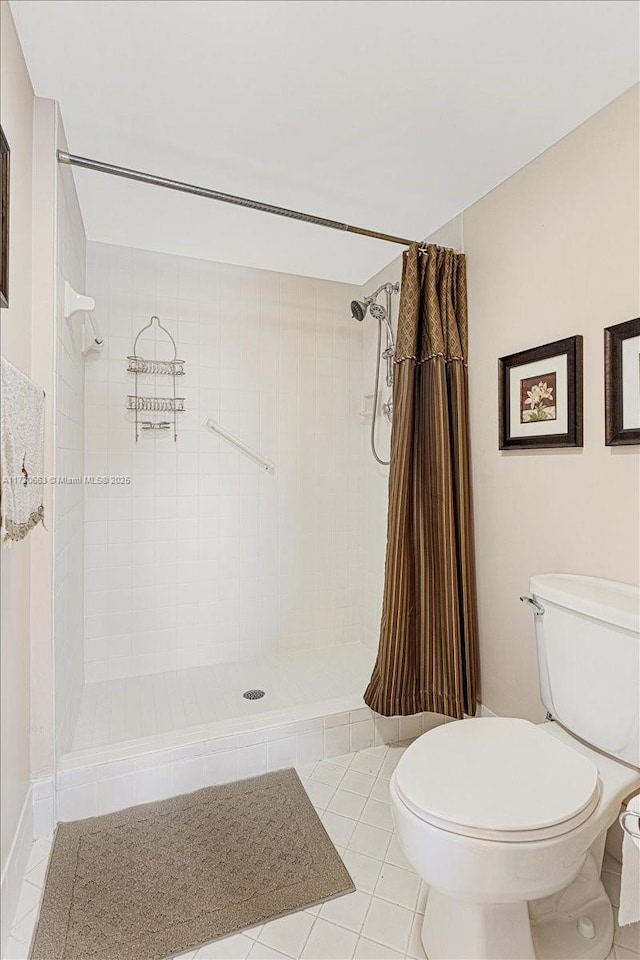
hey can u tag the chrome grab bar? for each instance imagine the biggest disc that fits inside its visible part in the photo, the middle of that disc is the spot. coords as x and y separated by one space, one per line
267 465
627 829
538 609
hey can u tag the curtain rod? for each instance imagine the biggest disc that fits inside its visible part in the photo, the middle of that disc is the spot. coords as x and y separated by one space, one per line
88 164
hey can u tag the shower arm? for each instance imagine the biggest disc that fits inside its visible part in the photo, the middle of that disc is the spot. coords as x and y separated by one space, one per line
387 287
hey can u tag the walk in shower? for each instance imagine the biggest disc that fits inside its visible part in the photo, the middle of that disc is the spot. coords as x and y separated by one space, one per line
206 576
231 536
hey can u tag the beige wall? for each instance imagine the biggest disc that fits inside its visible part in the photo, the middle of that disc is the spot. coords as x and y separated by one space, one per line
16 110
552 252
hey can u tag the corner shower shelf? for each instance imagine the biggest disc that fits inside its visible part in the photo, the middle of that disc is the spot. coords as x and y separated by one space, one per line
173 368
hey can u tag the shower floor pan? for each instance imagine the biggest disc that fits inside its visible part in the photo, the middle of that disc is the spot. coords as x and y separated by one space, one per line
149 737
208 700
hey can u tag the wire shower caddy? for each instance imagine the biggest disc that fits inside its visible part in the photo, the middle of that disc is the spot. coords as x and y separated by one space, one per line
141 404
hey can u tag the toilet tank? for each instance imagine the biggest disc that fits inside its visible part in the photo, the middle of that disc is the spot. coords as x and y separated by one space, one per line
589 659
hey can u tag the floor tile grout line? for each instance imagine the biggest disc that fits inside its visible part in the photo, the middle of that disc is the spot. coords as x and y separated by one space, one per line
17 920
381 777
316 917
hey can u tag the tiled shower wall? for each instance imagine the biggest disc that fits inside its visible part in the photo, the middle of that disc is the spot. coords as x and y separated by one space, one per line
69 497
203 557
374 484
375 476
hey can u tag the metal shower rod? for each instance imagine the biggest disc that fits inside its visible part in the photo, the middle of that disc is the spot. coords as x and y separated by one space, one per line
88 164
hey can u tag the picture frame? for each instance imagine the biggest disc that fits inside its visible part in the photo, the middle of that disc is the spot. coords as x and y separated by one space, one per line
5 157
540 396
622 383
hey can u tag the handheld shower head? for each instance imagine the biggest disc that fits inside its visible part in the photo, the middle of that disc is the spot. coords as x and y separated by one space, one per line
359 309
382 314
378 312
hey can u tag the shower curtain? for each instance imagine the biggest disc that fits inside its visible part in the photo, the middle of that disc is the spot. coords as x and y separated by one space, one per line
427 657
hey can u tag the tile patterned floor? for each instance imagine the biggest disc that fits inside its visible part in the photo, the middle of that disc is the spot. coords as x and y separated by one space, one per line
382 919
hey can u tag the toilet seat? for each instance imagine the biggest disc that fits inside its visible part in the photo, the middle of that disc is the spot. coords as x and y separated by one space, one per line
497 778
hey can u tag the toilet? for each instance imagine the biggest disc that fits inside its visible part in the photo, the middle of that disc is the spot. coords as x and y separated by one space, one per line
506 820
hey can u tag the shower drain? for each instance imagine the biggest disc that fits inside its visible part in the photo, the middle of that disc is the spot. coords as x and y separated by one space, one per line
253 694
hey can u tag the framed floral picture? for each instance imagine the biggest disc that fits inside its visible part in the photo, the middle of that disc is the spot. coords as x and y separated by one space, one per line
622 383
540 396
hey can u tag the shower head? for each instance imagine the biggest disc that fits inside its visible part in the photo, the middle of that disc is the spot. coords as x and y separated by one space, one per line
359 309
378 312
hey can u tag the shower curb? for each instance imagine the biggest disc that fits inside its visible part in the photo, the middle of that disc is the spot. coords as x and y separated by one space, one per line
103 780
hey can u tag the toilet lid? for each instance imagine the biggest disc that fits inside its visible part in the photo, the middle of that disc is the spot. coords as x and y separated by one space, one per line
496 775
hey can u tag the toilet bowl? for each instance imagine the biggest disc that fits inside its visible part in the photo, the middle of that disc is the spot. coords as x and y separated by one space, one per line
506 820
495 813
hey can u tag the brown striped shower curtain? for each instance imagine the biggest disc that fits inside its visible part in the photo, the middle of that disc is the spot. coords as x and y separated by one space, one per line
427 658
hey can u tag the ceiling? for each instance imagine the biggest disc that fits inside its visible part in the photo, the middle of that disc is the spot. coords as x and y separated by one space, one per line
389 115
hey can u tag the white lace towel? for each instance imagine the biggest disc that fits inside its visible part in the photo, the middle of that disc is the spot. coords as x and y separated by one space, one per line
629 909
22 454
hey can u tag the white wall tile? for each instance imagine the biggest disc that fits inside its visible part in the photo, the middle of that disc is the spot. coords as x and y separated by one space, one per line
362 734
309 747
252 761
281 753
387 729
153 784
337 741
116 776
220 768
273 358
368 566
116 794
76 803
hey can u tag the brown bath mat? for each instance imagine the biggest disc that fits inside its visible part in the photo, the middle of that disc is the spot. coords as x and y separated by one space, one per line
157 880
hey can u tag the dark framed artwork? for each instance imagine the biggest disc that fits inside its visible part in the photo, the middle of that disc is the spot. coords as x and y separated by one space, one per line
5 154
622 383
540 396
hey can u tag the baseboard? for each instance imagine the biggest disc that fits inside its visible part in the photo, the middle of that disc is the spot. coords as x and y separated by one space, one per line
483 711
15 867
43 808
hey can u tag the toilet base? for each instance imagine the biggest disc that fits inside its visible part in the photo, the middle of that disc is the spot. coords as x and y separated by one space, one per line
457 930
544 929
561 937
556 921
